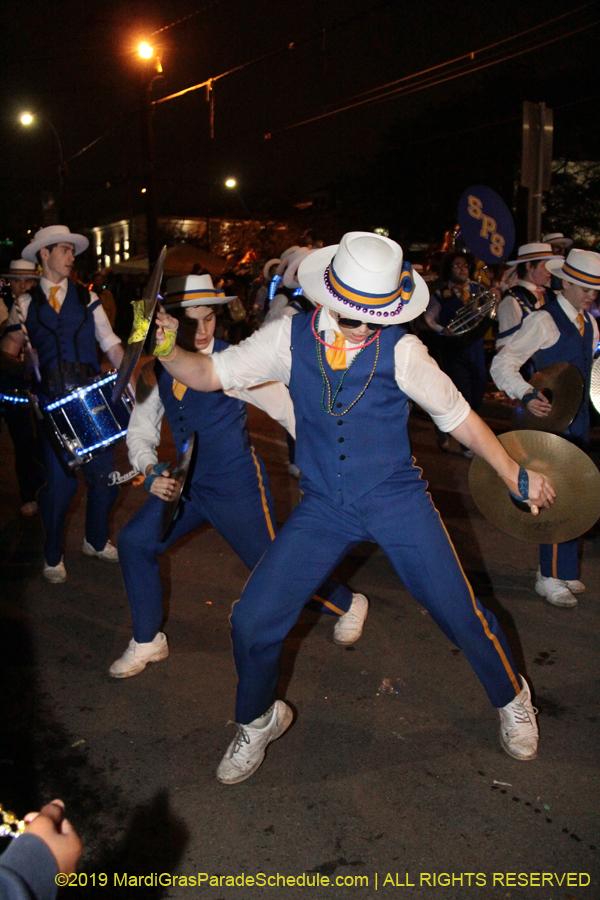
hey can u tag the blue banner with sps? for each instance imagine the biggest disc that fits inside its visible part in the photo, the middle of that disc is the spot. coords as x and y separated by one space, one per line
486 224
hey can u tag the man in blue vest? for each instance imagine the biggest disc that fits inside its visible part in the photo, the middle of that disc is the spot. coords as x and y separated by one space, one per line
531 292
563 331
64 321
229 485
351 370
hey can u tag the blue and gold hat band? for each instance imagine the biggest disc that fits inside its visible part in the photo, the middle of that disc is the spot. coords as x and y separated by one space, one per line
592 281
194 295
366 300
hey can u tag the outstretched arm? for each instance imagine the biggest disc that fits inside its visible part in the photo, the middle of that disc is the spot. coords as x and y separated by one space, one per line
192 369
477 436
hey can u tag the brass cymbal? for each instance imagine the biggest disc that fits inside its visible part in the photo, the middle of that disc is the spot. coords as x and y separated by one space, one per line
569 470
562 385
595 384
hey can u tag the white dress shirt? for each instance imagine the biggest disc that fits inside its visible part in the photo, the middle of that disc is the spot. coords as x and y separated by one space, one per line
143 433
102 327
267 356
538 332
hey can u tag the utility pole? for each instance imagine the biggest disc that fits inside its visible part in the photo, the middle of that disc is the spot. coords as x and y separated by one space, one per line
536 162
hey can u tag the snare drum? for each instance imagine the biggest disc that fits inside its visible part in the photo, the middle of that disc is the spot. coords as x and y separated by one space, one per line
84 422
15 400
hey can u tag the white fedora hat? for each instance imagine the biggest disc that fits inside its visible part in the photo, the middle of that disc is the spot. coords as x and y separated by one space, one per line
364 277
54 234
268 266
581 267
290 279
557 237
285 256
532 252
193 290
20 268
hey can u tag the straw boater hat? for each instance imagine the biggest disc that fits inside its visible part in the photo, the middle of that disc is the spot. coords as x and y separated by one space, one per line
54 234
290 277
363 277
268 266
20 268
581 267
532 252
557 237
193 290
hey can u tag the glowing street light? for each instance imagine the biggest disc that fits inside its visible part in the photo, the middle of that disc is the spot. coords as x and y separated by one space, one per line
145 50
230 183
26 118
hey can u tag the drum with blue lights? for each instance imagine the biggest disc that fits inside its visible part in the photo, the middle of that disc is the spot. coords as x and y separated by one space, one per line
84 422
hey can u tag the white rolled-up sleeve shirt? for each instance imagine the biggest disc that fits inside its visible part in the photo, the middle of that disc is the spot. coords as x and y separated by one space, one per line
538 332
143 432
267 356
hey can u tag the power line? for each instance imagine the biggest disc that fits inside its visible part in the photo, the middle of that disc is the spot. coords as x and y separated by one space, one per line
191 15
427 83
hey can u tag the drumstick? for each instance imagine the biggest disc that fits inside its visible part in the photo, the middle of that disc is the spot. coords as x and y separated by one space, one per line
26 336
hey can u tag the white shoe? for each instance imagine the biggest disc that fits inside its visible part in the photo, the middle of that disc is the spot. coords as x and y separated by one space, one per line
137 656
575 586
55 574
294 470
518 728
29 509
247 750
349 627
109 554
555 591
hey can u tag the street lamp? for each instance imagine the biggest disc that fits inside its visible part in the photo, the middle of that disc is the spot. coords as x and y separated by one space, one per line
27 119
230 183
152 70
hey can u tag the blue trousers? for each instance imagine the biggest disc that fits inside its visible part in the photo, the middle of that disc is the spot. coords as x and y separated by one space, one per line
30 476
399 515
239 506
56 495
560 560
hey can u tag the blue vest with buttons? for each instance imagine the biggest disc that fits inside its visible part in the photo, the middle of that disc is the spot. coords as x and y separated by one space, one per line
67 336
345 457
572 348
222 439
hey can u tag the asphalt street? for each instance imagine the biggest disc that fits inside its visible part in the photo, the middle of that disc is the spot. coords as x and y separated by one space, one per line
391 779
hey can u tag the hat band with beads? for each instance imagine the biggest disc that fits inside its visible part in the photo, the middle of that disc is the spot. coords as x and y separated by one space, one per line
371 303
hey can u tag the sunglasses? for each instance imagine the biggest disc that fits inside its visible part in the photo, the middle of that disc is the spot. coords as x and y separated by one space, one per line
356 323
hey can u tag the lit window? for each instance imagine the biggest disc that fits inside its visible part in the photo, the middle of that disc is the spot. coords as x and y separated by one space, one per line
117 258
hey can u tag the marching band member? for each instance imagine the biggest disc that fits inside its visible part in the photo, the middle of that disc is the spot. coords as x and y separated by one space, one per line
532 290
351 370
563 331
63 322
22 276
229 483
463 362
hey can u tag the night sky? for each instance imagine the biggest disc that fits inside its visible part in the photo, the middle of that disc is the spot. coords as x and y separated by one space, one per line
401 163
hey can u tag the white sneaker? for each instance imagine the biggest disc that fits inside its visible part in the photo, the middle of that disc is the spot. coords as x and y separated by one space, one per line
575 586
55 574
247 750
555 591
518 728
109 554
137 656
349 627
29 509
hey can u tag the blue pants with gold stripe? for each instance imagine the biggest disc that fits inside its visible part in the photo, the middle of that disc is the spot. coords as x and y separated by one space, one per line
560 560
399 515
239 506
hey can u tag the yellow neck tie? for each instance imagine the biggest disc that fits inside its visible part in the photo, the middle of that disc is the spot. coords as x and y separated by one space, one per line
580 322
465 294
179 389
53 299
337 358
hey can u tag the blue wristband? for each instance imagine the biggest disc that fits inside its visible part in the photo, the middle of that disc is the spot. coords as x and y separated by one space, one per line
531 395
150 478
523 484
